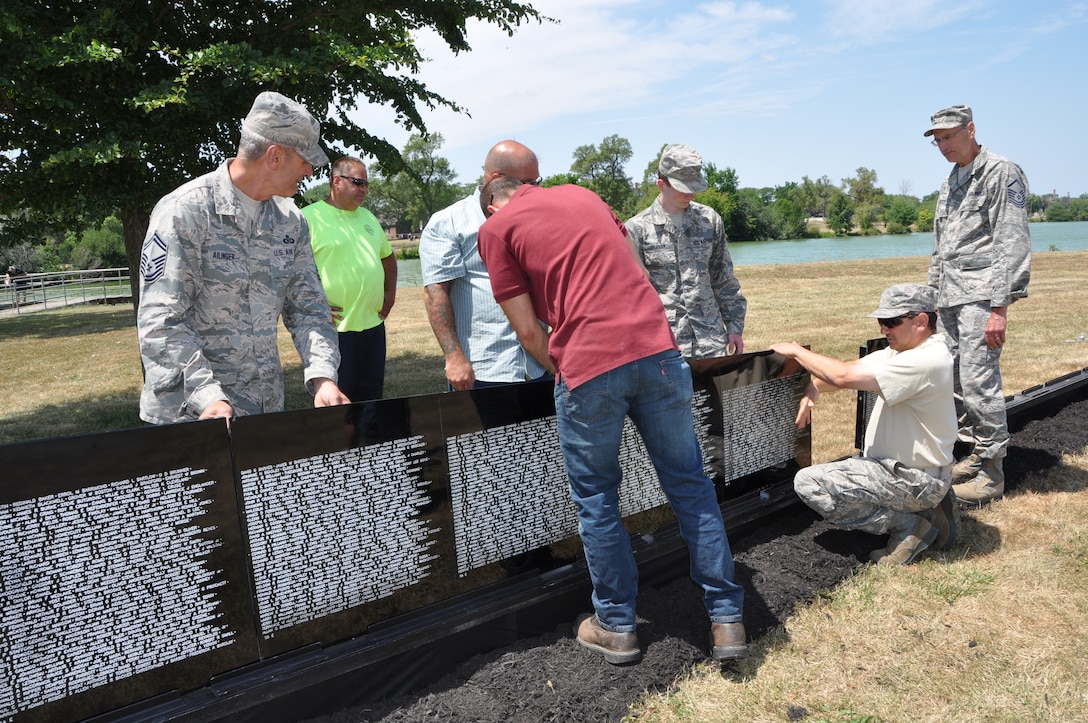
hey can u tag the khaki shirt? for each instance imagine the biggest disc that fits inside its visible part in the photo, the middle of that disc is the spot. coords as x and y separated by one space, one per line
982 246
692 270
212 291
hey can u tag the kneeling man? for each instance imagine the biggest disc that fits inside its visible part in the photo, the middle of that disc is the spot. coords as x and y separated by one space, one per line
901 483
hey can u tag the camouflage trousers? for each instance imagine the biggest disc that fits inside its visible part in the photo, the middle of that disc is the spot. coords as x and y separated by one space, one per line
980 401
869 493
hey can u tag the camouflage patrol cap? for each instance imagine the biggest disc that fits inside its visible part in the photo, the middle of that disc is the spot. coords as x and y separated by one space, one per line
905 299
954 117
279 119
683 166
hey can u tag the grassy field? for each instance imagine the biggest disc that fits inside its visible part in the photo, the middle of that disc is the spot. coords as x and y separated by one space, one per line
77 370
990 631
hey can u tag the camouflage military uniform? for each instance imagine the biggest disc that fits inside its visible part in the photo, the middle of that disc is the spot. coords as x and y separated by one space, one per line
212 289
693 273
873 494
981 259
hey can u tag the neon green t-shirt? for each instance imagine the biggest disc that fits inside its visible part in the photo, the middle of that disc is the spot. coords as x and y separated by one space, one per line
348 248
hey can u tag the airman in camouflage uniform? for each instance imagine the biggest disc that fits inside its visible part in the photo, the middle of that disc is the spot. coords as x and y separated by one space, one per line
683 246
226 255
981 263
901 483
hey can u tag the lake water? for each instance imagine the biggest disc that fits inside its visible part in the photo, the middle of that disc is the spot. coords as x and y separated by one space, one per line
1071 236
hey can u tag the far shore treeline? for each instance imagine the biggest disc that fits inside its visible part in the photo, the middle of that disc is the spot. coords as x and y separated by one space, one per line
403 197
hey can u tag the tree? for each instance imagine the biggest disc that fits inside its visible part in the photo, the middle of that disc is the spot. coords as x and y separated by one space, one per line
560 179
645 190
724 180
901 212
602 171
106 106
748 218
814 196
102 247
925 219
862 189
840 214
788 218
410 190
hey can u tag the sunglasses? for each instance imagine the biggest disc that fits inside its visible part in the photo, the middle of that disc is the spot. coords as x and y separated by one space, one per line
360 182
895 320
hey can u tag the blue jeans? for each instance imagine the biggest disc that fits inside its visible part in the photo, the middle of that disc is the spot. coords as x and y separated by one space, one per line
656 393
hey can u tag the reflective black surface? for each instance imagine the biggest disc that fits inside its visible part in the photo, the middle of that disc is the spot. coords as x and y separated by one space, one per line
149 560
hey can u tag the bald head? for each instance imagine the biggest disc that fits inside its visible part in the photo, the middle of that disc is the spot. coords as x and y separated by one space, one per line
510 158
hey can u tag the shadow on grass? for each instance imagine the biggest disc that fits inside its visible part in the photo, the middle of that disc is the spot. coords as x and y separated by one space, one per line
68 322
86 416
406 375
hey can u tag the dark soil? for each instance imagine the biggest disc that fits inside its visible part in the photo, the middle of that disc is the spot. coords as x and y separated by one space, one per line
551 678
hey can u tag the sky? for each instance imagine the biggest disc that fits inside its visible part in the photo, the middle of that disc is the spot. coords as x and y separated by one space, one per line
774 90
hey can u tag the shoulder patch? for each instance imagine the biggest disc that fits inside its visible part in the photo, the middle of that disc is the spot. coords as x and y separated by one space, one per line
153 259
1018 195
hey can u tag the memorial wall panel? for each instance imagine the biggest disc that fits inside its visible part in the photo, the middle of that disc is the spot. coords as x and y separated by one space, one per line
139 562
121 570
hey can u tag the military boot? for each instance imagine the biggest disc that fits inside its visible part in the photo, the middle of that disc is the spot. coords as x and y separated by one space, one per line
985 487
906 541
946 518
966 468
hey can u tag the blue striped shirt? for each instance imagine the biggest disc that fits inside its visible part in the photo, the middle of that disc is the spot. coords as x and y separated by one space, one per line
448 252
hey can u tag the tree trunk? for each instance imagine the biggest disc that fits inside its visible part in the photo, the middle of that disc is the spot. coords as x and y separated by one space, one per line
134 222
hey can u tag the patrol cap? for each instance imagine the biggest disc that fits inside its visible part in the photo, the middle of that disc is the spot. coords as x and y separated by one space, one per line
279 119
954 117
906 299
683 166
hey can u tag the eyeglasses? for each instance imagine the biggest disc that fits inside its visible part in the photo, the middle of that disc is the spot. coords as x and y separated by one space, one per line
938 141
535 182
360 182
895 320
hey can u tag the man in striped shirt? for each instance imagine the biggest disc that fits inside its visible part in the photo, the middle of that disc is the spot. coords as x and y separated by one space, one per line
480 347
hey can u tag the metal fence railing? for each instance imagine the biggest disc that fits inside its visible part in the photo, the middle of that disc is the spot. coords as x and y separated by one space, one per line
35 292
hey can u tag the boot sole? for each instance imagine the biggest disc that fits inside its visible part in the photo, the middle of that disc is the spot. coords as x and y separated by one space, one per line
612 656
976 504
729 652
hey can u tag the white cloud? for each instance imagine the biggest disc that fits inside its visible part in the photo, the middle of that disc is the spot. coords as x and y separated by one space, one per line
874 21
619 58
775 89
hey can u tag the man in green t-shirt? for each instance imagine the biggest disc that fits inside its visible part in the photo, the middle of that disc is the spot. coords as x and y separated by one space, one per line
359 273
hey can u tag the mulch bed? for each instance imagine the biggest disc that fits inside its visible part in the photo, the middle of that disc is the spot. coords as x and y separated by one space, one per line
551 678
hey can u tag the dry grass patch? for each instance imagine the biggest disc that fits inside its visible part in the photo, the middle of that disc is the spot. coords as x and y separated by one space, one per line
990 631
77 370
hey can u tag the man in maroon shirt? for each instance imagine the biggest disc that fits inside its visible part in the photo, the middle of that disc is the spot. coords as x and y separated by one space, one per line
561 255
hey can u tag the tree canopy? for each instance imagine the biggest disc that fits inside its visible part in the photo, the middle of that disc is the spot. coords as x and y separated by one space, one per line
107 106
601 169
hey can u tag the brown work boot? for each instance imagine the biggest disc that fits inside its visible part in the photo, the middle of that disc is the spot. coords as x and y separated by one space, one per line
617 648
905 544
728 641
985 487
966 468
